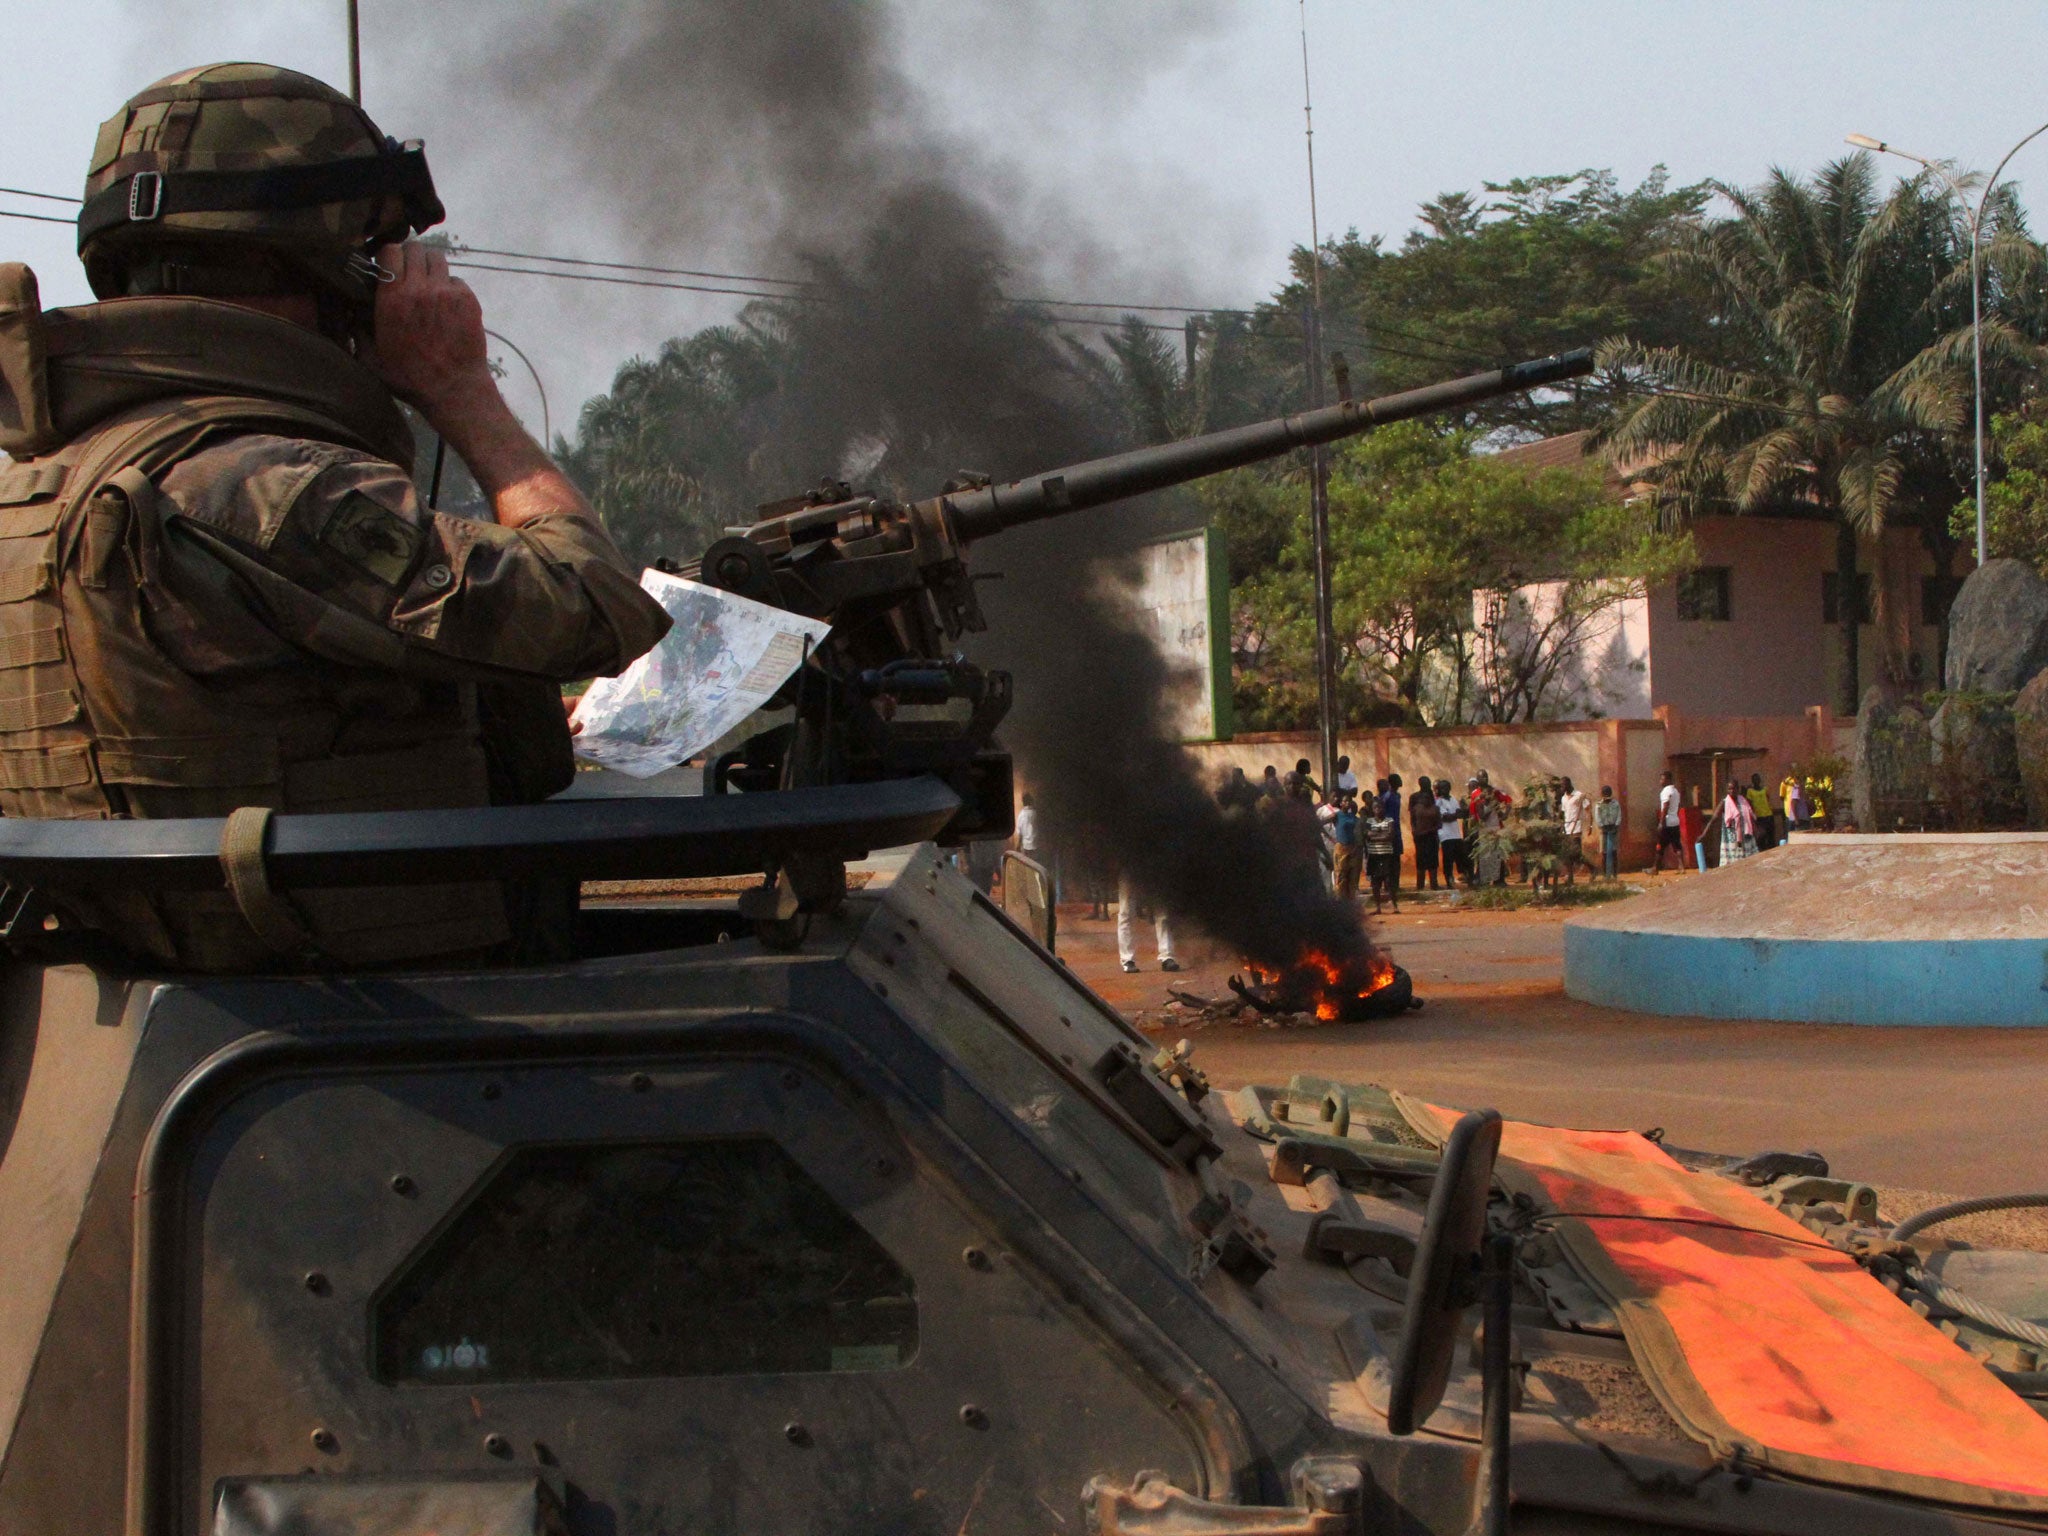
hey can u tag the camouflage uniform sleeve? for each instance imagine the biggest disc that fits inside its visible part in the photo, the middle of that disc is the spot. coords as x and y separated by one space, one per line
553 598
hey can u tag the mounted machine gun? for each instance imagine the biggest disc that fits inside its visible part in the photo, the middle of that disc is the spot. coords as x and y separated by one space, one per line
887 695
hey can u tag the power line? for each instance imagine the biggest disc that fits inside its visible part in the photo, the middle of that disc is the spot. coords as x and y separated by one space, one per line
756 293
459 247
625 282
1444 352
1146 309
625 266
801 282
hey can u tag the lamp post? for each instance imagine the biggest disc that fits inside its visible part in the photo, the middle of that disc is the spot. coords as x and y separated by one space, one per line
546 427
1865 141
547 430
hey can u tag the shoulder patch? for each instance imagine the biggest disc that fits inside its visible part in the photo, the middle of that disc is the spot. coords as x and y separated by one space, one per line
372 538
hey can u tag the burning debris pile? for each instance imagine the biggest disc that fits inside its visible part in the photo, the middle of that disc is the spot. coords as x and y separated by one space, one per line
1314 991
1364 986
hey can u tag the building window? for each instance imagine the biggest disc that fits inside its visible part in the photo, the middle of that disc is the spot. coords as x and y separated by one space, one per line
1937 596
1703 594
1831 597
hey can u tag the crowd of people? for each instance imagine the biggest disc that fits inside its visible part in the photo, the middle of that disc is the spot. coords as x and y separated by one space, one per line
1366 837
1748 818
1371 837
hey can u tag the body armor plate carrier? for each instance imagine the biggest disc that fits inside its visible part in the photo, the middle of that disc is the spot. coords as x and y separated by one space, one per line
96 717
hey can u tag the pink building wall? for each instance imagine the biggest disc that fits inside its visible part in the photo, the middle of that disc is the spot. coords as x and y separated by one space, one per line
1775 656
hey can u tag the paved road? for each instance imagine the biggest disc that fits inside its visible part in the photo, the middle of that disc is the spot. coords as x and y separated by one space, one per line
1946 1109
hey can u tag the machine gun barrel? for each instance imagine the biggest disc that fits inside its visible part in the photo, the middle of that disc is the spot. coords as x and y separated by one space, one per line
990 509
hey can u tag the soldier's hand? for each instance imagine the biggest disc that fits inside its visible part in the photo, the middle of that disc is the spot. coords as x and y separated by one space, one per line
430 331
430 350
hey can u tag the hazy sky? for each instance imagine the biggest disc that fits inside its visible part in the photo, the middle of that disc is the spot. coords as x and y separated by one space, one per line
1170 130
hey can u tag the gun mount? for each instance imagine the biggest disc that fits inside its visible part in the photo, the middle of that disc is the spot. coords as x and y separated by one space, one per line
887 695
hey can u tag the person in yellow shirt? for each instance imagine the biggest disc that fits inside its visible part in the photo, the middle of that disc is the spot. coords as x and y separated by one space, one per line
1792 794
1766 813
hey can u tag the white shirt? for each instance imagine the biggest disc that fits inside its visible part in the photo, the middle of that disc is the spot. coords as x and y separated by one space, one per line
1027 829
1452 830
1573 805
1347 780
1667 804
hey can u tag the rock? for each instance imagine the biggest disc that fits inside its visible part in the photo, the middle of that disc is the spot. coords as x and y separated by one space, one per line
1998 629
1891 767
2030 744
1977 763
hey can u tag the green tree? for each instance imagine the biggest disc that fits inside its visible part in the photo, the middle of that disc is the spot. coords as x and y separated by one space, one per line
668 456
1540 265
1837 382
1420 526
2016 502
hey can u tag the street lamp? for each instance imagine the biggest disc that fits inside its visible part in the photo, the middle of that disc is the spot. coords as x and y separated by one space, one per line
547 430
546 426
1865 141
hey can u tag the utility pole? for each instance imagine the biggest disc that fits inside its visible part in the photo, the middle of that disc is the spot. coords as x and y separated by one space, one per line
1318 462
355 55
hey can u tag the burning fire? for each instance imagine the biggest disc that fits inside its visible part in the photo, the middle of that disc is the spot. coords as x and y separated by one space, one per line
1329 988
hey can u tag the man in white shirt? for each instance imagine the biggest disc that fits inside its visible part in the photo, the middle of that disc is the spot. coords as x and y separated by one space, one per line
1027 829
1347 781
1572 805
1667 825
1029 844
1450 837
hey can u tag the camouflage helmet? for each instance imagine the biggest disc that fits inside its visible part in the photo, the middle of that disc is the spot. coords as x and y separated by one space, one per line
241 179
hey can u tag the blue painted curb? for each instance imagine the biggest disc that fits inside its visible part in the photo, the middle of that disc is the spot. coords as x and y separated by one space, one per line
1814 981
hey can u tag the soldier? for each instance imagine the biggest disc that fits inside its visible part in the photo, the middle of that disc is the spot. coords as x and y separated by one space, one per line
219 592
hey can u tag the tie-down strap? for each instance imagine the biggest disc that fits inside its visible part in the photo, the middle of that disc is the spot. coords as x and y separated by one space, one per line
278 923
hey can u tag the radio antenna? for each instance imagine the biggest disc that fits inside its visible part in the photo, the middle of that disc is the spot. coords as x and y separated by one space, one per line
1318 462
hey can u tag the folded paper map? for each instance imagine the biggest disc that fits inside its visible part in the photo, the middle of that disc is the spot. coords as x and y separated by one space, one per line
719 664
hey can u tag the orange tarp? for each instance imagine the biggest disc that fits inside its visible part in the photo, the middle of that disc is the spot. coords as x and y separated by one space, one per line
1761 1337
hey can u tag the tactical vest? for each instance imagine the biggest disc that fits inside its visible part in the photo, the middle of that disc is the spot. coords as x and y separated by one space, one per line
96 718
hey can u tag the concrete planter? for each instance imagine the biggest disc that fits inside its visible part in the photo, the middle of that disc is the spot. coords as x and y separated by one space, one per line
1930 928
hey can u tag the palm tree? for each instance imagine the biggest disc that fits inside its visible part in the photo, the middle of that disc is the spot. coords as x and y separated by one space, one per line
667 456
1841 380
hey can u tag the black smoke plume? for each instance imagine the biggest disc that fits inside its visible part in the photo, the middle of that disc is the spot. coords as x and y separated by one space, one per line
1091 737
786 133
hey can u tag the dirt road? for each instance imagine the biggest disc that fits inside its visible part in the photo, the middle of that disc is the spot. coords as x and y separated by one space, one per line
1947 1109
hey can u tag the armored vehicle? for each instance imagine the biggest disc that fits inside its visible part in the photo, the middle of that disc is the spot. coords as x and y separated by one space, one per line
856 1211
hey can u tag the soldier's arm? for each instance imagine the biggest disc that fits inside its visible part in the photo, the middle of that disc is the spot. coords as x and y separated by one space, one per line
543 591
335 529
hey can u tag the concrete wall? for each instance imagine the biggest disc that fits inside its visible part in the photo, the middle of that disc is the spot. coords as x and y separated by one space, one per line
1644 775
1775 656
